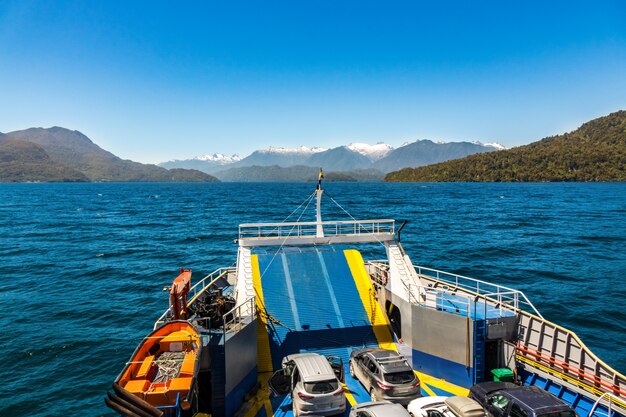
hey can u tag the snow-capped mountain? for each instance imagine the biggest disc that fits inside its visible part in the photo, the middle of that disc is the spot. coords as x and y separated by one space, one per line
494 145
373 152
301 150
219 158
380 157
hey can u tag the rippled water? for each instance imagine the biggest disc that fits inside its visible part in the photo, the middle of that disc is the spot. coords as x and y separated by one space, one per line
83 265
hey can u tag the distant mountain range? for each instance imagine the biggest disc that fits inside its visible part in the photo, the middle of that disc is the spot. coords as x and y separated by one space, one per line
59 154
357 161
596 151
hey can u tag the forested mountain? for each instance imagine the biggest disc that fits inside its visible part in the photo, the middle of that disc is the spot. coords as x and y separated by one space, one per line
22 161
426 152
596 151
75 152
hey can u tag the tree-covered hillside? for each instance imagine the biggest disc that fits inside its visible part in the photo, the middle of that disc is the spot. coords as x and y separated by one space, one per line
22 161
594 152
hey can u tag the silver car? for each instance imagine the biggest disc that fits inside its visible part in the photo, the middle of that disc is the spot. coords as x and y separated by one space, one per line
385 374
314 383
379 409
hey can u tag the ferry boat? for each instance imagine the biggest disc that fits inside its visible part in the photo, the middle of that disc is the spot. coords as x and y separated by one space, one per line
306 287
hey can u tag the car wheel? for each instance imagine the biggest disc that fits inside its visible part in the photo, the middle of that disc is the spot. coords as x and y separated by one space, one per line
352 374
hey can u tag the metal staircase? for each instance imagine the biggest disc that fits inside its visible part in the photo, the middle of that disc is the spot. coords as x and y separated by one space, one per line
402 274
480 335
245 286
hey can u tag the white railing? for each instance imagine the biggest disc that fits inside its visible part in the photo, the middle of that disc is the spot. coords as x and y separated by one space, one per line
309 229
609 400
239 316
503 297
549 347
197 289
492 296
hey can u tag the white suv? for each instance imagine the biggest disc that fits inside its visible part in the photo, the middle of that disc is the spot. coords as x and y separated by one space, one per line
314 383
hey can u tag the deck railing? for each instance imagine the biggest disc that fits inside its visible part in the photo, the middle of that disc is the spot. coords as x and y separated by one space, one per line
558 351
502 297
492 296
309 229
206 282
239 316
541 344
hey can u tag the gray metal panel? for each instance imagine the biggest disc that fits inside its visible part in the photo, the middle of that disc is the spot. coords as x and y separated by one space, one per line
504 328
442 334
241 355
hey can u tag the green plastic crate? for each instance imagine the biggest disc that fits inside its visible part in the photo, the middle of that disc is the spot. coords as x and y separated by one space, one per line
503 375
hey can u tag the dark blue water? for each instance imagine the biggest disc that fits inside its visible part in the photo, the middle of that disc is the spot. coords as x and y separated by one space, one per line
83 265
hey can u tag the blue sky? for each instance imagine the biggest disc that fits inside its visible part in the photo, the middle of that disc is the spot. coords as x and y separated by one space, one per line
152 81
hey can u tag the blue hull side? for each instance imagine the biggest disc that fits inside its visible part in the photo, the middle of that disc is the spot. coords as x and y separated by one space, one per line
455 373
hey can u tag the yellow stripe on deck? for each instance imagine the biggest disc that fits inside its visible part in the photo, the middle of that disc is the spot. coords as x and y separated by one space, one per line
442 385
264 356
426 387
348 394
380 325
377 317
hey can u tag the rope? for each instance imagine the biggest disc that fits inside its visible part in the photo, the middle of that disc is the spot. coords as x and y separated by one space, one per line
273 321
309 199
350 215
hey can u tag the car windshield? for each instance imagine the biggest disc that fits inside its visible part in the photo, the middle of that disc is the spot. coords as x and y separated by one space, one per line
321 387
403 377
565 413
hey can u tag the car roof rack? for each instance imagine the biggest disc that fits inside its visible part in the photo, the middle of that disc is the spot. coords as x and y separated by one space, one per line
389 361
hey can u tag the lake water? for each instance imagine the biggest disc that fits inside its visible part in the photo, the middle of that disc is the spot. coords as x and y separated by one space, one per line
83 266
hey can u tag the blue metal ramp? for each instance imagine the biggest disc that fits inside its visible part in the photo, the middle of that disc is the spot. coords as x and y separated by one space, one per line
313 305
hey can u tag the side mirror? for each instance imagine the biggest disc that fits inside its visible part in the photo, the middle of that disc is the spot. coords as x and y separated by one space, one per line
280 382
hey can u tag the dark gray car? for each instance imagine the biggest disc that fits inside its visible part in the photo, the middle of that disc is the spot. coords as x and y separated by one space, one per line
520 402
385 374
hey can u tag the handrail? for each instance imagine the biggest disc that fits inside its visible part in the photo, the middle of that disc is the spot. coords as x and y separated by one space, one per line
589 369
541 344
238 313
195 290
500 296
595 405
331 228
328 222
458 281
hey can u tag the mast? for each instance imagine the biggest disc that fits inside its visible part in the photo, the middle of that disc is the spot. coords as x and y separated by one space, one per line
319 231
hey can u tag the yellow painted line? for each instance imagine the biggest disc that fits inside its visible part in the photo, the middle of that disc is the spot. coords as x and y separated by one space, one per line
375 314
380 324
268 408
428 390
348 395
254 409
264 356
442 384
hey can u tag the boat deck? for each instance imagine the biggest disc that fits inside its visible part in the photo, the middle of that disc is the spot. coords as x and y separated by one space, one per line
319 299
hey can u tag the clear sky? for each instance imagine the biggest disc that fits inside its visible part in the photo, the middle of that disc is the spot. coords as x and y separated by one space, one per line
153 81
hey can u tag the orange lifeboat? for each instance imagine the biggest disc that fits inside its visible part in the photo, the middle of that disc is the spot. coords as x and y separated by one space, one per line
163 369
